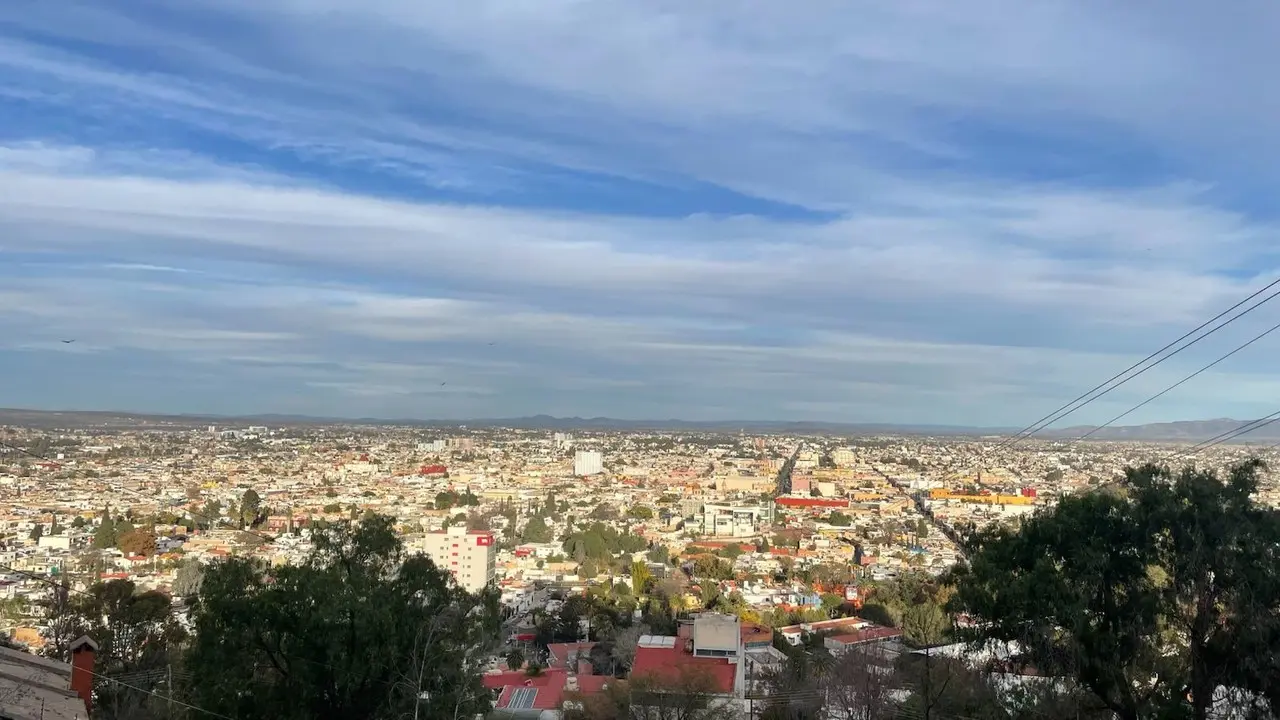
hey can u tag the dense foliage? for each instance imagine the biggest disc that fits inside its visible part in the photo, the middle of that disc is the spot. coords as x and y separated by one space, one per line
360 630
1151 599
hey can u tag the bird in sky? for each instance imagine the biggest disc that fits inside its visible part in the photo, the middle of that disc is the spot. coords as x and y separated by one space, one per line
67 342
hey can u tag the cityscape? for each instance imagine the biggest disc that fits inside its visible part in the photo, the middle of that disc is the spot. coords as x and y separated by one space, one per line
764 539
639 360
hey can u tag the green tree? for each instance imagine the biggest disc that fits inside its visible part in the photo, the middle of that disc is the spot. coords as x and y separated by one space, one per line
137 634
641 512
640 576
37 532
537 531
515 658
190 576
106 534
1150 598
360 630
658 554
250 505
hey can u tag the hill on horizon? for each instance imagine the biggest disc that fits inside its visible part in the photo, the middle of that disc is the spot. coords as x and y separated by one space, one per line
1183 430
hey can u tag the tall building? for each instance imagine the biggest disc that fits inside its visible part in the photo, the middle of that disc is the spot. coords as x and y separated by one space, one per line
588 462
469 555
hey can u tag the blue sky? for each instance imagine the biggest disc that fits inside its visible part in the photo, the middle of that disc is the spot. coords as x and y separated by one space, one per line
961 212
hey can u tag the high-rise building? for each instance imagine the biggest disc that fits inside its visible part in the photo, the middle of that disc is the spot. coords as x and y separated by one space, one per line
588 462
469 555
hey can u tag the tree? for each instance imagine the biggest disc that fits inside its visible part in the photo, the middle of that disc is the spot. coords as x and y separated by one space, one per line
78 522
658 554
537 531
187 582
922 528
640 576
360 630
515 658
1149 599
641 512
138 542
55 528
687 694
250 507
106 534
136 633
37 532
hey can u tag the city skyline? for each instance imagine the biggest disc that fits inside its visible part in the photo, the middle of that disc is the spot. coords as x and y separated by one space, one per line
950 214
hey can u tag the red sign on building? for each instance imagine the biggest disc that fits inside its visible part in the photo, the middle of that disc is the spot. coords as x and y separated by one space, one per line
484 540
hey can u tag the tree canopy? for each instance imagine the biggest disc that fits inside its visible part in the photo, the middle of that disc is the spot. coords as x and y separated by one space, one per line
1152 599
359 630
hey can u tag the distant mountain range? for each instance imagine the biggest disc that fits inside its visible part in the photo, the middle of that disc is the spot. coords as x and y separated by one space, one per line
1188 430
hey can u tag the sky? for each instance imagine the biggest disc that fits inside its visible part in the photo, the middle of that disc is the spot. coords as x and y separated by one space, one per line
960 212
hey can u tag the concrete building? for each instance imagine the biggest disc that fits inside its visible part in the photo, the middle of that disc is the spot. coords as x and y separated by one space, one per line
470 555
735 520
588 462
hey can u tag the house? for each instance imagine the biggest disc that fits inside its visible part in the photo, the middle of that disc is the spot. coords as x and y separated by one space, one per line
541 696
705 658
38 688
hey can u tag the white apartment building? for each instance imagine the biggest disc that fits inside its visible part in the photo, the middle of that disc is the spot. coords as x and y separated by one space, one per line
735 520
470 555
588 462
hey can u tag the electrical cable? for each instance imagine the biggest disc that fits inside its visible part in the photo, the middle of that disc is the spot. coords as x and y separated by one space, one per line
1107 385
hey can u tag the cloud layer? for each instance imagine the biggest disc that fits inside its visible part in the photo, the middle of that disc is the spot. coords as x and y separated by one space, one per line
942 213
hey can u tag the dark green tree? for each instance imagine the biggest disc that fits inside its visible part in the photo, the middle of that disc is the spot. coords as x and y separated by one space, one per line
250 507
137 634
106 534
537 531
1150 598
37 532
361 630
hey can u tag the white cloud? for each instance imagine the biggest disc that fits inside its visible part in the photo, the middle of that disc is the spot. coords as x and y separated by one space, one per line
879 310
1009 212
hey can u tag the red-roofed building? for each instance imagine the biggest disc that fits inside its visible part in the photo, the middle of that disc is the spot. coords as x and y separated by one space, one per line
519 691
884 638
708 656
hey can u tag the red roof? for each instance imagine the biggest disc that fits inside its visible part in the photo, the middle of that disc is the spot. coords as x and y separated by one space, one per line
550 686
870 634
560 652
669 665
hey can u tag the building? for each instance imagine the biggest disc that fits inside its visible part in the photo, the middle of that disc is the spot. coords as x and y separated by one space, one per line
735 520
38 688
588 462
707 652
470 555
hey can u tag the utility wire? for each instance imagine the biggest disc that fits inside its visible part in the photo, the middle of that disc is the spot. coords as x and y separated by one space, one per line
1227 436
1159 356
1172 387
166 698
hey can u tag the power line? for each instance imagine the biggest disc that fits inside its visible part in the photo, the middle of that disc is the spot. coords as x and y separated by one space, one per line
1174 386
1226 436
166 698
1124 376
